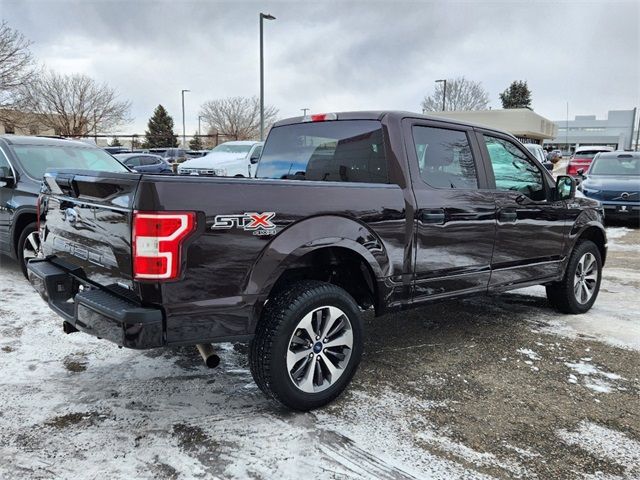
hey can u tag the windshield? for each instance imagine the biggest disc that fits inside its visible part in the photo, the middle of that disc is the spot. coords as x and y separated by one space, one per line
226 148
36 159
624 165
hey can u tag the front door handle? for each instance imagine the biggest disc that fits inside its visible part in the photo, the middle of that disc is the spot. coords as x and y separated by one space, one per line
433 217
508 215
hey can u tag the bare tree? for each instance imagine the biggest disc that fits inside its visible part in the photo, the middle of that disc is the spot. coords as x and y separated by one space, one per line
17 67
237 117
462 94
74 105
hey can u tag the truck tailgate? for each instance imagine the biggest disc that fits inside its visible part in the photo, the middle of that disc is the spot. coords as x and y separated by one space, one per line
86 219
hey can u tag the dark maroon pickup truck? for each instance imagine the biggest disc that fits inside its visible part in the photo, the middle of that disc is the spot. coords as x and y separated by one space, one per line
348 211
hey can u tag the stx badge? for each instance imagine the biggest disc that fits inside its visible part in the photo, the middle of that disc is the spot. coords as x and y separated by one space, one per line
258 223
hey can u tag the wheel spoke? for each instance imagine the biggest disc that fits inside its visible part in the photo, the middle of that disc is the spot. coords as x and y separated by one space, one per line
306 384
343 340
302 368
333 370
295 357
589 264
576 289
33 242
307 324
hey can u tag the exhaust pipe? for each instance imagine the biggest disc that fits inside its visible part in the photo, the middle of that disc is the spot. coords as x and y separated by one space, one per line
207 353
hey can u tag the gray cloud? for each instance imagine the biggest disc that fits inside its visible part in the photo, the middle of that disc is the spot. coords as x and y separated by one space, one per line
341 55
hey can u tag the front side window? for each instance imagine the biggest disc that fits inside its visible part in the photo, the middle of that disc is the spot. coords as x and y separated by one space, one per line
133 162
36 159
512 169
444 158
333 151
148 161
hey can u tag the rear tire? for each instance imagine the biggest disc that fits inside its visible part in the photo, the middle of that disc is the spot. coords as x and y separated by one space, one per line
307 345
28 246
578 290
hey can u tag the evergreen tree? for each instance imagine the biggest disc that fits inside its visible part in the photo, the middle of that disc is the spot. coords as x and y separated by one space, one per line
160 130
517 95
196 142
115 142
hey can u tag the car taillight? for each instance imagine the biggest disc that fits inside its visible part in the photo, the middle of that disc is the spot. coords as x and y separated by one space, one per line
157 240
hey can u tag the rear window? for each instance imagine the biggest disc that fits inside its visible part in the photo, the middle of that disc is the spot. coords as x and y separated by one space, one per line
335 151
587 154
36 159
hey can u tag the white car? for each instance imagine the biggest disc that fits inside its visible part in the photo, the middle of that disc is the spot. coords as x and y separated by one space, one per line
229 159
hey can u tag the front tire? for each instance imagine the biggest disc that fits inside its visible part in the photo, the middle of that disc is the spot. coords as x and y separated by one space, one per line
578 290
28 246
308 345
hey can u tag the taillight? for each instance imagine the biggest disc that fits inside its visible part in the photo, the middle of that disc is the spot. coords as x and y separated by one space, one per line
157 240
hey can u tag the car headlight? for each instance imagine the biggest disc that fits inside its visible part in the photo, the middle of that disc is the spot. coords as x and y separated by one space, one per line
220 172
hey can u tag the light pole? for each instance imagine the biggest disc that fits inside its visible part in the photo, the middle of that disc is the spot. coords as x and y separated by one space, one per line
263 16
304 111
444 92
184 140
199 131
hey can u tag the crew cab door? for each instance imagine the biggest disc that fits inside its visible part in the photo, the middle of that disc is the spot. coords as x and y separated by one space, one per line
6 195
531 225
455 214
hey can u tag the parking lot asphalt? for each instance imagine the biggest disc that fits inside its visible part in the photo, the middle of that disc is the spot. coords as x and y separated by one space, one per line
488 387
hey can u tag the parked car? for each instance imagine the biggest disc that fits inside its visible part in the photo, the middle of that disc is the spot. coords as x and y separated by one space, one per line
145 163
582 157
538 152
229 159
116 150
175 155
613 179
348 211
23 161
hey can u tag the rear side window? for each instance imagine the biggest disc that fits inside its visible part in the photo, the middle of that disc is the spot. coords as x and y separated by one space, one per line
133 162
36 159
444 158
334 151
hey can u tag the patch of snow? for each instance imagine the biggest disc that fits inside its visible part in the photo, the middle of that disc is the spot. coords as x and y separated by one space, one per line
606 444
529 353
595 378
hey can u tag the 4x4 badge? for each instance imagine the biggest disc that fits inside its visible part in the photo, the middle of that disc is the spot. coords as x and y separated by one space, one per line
258 223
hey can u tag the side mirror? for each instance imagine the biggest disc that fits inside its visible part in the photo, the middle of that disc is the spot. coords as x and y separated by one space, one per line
254 158
580 172
6 177
548 166
565 187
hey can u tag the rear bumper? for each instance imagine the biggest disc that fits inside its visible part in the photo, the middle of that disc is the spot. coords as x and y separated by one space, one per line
96 311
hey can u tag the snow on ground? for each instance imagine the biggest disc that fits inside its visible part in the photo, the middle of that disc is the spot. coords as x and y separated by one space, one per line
500 387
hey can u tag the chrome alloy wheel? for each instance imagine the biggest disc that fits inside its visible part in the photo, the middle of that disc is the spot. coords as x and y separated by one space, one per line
31 248
586 278
319 349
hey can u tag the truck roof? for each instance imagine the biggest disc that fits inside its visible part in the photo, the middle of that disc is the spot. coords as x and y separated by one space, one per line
380 114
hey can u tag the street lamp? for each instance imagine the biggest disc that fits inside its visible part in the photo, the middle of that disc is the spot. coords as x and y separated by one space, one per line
444 92
199 131
184 140
304 111
263 16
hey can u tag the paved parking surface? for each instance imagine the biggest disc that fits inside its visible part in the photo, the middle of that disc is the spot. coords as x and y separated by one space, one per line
497 387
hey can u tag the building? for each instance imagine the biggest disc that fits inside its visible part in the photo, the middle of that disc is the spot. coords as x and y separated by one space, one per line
22 123
615 131
523 123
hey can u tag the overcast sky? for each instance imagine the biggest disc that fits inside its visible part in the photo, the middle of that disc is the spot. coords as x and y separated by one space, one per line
332 56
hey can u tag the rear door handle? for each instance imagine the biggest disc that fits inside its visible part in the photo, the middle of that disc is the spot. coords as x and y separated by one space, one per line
508 215
434 217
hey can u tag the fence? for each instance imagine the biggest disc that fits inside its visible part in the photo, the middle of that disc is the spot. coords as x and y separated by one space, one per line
135 141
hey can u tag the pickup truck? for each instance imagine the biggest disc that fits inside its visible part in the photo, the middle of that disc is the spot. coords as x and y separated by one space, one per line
348 211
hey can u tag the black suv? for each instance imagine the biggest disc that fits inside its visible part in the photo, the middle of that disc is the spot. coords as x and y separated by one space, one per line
23 161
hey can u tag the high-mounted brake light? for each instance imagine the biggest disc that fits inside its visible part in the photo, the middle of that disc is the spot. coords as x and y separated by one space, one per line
320 117
157 240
